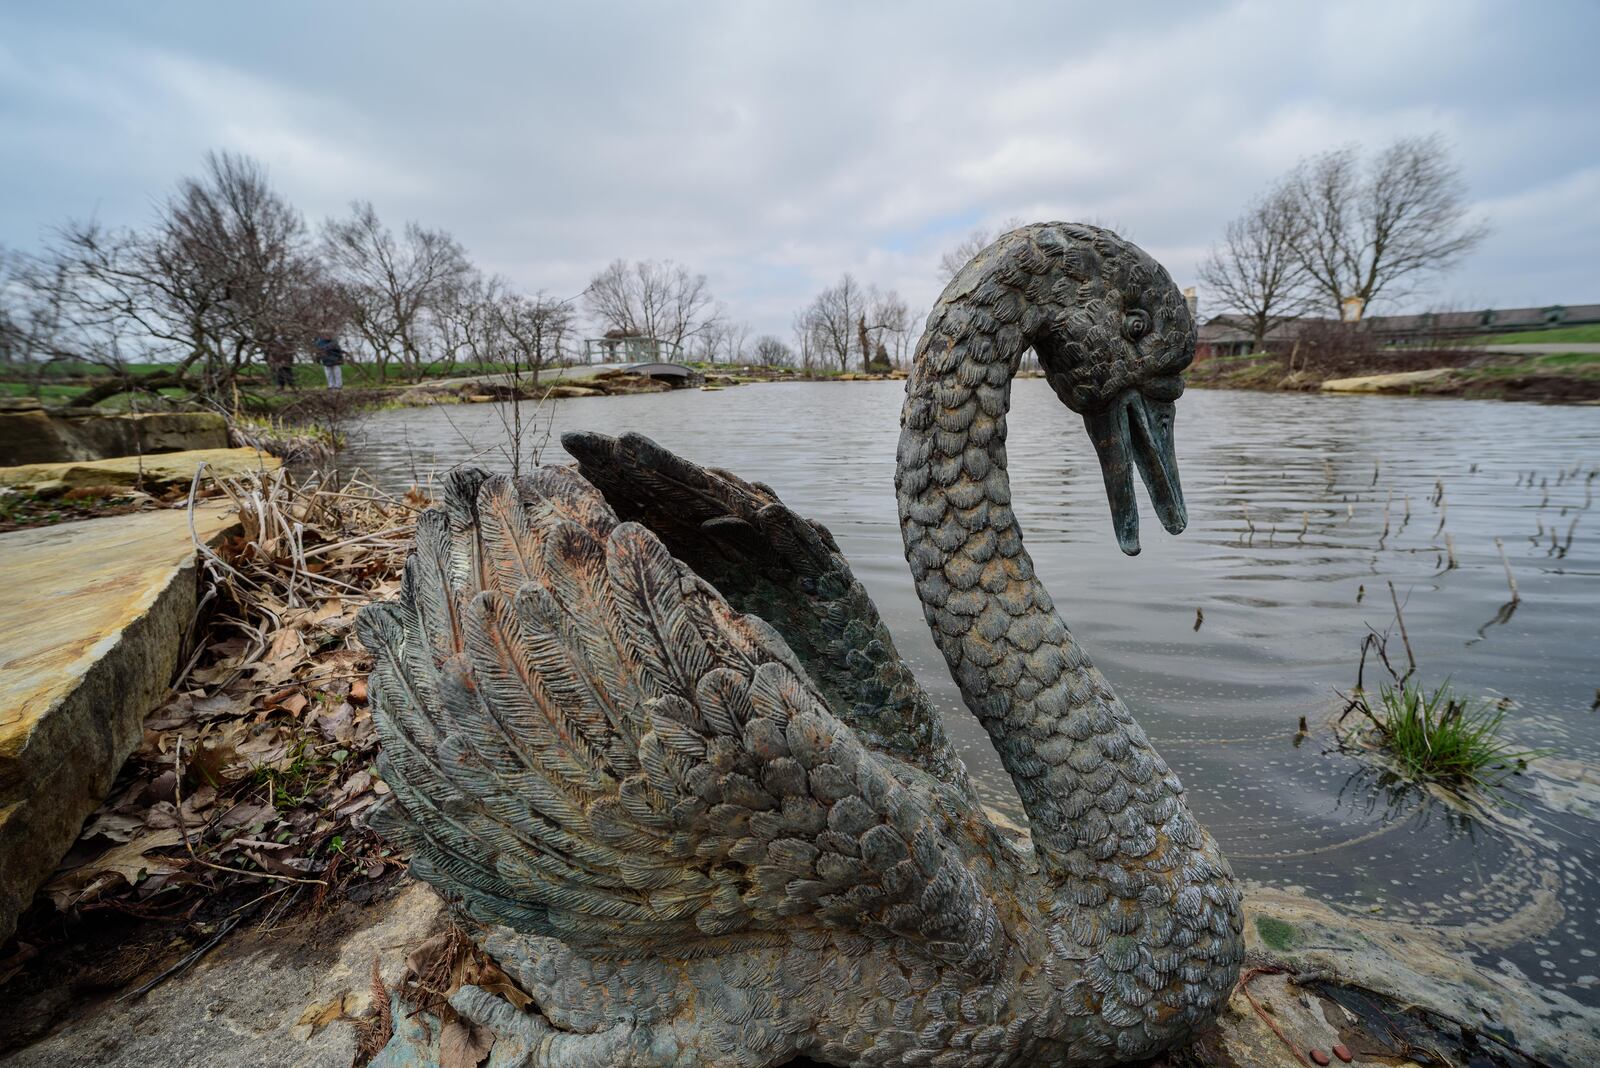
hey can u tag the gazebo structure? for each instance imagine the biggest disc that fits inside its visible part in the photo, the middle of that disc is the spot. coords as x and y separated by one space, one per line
618 346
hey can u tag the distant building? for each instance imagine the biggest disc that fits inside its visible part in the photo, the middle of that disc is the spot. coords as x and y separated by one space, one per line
1230 335
1427 326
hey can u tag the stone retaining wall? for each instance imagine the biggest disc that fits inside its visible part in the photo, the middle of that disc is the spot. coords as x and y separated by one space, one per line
36 435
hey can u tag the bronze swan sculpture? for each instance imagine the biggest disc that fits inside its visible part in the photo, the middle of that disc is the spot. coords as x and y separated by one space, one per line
642 724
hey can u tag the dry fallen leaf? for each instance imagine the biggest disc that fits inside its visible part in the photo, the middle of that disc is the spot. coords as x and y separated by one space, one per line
430 955
128 860
247 814
338 725
489 976
116 826
328 610
219 706
287 644
464 1044
212 760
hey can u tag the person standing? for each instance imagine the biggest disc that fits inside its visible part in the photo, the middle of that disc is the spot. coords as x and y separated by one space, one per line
331 356
280 361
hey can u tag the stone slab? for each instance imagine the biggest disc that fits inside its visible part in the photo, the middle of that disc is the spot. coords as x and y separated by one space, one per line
249 1002
40 435
92 616
1400 381
152 472
262 997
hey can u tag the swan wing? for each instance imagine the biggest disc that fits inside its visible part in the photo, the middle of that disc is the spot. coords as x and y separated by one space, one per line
584 740
769 561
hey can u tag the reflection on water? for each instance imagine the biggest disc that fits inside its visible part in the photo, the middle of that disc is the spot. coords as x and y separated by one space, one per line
1301 509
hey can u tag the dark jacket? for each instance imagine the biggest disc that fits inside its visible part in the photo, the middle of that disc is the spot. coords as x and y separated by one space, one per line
329 354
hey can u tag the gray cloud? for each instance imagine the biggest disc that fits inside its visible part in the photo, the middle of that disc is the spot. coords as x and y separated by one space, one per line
775 145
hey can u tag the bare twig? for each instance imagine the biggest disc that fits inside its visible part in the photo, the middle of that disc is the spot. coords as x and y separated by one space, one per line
1400 618
1511 580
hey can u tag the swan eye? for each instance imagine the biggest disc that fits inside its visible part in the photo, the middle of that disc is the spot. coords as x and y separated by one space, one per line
1135 324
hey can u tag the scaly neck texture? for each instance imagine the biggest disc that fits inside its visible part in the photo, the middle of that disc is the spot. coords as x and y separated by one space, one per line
1099 799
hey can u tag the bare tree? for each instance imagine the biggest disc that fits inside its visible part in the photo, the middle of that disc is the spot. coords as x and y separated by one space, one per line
211 284
33 326
952 262
850 320
771 352
662 300
724 340
536 330
890 318
39 324
1374 232
829 321
807 340
1257 272
397 288
736 340
469 321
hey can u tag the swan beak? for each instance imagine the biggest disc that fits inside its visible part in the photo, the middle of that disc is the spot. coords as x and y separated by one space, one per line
1136 432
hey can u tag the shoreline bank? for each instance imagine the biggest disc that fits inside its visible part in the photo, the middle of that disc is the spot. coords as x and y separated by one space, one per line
1487 374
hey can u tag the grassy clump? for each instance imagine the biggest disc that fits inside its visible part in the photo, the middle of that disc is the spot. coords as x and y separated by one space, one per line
1439 736
1570 359
1276 933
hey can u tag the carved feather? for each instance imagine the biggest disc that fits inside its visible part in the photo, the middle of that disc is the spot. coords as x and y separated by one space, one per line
586 741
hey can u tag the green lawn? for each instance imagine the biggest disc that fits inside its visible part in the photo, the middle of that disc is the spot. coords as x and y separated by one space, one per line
1570 359
63 381
78 369
366 374
1556 334
48 391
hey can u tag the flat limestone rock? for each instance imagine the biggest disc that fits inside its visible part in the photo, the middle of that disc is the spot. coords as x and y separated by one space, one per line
151 471
263 997
33 434
1399 382
92 616
274 996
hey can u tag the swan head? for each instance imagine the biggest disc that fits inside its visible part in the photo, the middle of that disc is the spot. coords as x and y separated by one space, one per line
1114 351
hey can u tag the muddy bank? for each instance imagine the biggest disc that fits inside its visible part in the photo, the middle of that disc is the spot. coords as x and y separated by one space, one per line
1551 378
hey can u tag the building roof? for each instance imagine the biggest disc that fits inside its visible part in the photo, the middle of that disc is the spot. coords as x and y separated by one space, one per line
1485 319
1230 329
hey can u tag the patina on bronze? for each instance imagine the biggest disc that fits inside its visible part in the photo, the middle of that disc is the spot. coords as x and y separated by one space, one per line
644 726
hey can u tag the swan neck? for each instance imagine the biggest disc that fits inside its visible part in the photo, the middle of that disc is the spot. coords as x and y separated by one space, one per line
1096 793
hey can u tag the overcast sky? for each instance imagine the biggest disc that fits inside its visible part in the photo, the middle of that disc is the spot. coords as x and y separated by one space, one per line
774 146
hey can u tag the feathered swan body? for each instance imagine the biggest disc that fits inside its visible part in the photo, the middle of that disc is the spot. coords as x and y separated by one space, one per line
642 723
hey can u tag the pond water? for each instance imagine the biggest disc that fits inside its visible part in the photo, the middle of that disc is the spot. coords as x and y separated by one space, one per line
1302 508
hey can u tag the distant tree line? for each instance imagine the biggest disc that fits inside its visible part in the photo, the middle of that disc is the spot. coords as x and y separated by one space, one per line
227 276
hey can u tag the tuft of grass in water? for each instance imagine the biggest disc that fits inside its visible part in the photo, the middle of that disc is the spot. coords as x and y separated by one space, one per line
1440 736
